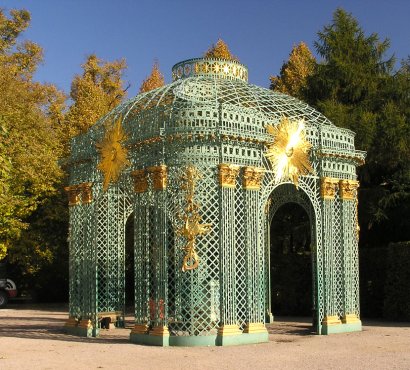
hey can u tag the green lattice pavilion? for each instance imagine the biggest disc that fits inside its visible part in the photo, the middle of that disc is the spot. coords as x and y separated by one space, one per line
202 165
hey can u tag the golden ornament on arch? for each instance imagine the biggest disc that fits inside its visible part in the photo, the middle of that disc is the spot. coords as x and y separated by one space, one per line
113 154
289 152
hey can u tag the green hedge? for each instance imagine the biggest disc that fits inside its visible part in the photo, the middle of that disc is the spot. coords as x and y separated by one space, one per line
397 287
385 282
372 281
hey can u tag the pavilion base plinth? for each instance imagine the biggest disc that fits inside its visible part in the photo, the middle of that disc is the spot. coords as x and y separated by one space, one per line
333 325
228 335
157 336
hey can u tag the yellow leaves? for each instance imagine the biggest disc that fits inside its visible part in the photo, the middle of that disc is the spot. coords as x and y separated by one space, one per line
289 153
220 50
113 154
3 250
154 80
294 73
97 91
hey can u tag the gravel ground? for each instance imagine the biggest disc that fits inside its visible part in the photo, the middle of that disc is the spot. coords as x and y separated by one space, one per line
32 337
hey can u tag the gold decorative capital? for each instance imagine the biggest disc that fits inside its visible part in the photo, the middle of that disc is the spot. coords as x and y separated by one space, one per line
86 192
227 175
158 176
347 189
252 178
328 187
140 180
74 195
226 330
160 331
81 193
255 327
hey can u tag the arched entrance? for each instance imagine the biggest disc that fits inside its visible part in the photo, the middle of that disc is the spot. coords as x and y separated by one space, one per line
290 261
291 254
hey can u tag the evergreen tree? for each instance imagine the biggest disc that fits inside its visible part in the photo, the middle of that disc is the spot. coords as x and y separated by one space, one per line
220 50
154 80
355 87
292 79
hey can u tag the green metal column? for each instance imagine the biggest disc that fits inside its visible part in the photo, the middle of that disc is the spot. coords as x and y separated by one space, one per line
331 320
252 178
348 196
141 257
158 307
228 329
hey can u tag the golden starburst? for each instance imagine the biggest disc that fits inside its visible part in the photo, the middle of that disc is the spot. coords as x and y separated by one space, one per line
113 154
289 153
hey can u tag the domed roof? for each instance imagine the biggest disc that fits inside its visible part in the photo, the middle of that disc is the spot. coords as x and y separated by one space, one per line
211 99
215 82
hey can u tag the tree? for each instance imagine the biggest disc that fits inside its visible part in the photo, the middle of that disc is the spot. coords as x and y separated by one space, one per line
154 80
292 79
220 50
346 84
30 134
354 85
98 90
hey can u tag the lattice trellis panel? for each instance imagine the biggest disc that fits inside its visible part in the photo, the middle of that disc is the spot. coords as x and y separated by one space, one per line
194 295
112 211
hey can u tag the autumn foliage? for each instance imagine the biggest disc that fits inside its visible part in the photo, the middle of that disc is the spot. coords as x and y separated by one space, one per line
154 80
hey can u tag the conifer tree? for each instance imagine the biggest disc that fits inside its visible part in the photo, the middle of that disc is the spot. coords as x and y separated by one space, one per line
220 50
154 80
354 85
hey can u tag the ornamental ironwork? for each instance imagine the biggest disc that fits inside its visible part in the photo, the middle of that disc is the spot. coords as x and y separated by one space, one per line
201 243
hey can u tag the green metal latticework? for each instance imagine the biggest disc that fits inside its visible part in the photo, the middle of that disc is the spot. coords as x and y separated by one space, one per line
212 122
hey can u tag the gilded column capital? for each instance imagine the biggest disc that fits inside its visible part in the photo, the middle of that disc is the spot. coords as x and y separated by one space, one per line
86 192
347 189
252 178
159 176
140 180
328 187
79 194
227 175
74 195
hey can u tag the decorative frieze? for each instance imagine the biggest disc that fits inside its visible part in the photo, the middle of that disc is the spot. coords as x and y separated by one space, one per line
252 178
328 187
159 177
227 175
347 189
140 180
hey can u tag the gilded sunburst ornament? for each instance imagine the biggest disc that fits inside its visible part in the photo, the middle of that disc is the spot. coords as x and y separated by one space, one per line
113 154
289 152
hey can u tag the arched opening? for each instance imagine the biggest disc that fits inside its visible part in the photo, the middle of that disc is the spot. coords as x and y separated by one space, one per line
129 265
290 235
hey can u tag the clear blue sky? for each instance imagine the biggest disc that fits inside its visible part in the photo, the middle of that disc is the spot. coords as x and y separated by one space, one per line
261 33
